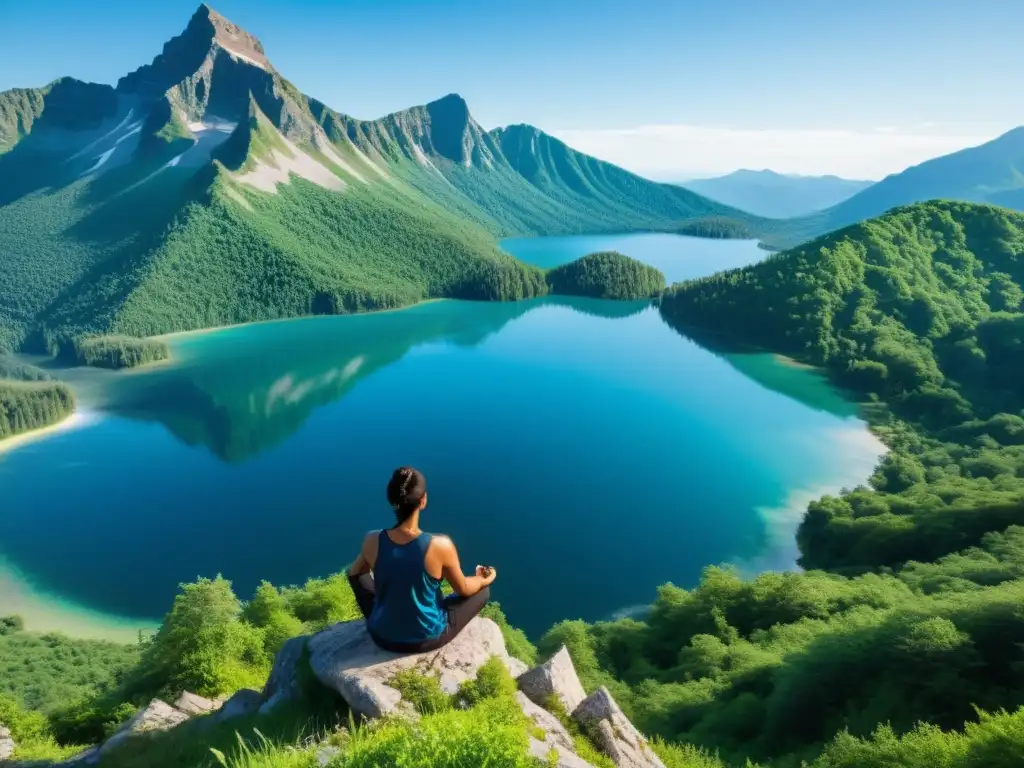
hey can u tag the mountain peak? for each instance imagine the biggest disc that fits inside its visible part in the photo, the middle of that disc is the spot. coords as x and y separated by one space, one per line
186 54
227 35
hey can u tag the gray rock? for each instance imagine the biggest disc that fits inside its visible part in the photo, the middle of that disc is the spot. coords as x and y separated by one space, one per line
324 755
283 684
194 704
6 744
555 733
243 702
516 667
615 734
566 759
345 659
555 676
91 756
155 716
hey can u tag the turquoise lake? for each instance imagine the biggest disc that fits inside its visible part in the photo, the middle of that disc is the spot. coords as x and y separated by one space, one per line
582 447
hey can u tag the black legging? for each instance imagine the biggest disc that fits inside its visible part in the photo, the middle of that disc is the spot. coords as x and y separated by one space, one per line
460 611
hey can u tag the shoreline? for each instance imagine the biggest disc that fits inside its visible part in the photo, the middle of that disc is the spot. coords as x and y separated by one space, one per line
791 362
43 613
173 336
75 420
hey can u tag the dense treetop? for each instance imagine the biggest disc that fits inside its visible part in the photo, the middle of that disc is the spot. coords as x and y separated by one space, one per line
606 275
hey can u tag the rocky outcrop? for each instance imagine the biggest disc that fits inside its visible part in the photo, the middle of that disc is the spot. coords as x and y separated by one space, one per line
614 734
155 716
345 659
564 758
555 677
555 734
193 704
283 684
242 703
6 744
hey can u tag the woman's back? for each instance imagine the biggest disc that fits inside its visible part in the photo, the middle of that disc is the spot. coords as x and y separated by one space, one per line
407 606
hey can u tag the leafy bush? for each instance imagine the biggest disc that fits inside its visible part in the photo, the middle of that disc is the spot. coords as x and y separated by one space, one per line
202 645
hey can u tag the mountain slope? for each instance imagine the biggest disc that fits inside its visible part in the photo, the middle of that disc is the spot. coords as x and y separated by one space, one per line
774 195
990 173
206 189
516 180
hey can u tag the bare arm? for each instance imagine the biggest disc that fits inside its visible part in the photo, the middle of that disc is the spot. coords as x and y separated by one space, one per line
451 570
367 555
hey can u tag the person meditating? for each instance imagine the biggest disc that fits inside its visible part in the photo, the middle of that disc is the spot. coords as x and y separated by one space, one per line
397 577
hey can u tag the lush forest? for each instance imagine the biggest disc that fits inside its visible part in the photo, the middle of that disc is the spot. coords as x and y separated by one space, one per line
28 405
717 227
606 275
119 351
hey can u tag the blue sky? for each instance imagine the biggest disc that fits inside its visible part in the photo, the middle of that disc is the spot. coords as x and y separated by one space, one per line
665 87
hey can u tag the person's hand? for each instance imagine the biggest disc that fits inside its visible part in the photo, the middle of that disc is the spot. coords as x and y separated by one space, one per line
486 573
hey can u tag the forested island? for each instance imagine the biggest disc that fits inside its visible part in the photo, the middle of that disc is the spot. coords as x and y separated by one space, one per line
903 638
606 275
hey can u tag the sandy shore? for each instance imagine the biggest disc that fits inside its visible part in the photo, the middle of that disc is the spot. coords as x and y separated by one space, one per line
791 363
76 420
47 613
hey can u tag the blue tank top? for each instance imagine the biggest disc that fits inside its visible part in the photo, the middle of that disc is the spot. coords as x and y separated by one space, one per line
407 601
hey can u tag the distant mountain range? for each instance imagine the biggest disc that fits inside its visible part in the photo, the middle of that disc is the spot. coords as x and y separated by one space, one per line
991 173
205 189
776 195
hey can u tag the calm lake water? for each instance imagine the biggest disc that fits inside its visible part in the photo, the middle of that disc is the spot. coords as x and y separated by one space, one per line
583 447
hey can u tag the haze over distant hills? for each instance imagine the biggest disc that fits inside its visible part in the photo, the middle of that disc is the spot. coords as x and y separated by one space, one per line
205 189
990 173
776 195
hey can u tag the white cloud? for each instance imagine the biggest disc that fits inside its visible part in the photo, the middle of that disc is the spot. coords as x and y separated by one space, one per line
686 151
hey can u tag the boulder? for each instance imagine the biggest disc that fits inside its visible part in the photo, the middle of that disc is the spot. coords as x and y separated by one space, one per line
556 676
555 733
564 758
241 703
516 667
345 658
283 684
6 744
614 733
194 704
155 716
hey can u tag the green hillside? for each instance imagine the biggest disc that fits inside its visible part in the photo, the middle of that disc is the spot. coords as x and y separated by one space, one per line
516 180
920 312
990 173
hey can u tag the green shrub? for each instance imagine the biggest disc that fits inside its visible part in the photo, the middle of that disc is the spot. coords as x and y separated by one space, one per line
11 624
421 690
492 681
204 647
